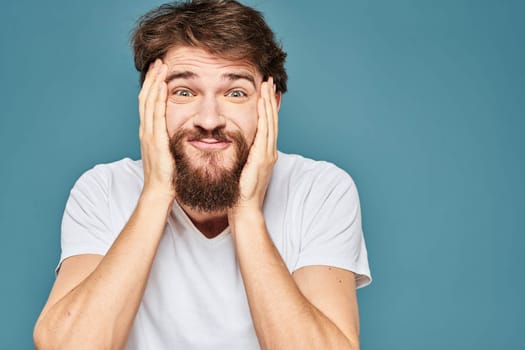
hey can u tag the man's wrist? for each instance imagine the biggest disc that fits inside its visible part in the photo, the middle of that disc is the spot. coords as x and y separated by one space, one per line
156 197
245 217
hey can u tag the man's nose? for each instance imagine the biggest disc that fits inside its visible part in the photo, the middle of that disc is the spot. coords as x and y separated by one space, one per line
209 115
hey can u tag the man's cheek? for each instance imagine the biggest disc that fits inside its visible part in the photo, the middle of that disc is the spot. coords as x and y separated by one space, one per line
251 127
174 121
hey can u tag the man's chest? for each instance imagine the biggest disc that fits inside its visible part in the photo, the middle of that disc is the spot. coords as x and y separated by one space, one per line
195 296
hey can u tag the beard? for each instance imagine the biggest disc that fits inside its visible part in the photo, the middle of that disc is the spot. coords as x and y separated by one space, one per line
211 187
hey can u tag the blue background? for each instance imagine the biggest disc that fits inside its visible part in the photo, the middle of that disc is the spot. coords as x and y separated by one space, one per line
423 102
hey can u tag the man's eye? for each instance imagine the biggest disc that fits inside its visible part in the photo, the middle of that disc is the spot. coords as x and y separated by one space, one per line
236 93
183 93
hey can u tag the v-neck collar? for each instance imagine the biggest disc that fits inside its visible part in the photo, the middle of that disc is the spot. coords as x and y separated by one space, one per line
194 231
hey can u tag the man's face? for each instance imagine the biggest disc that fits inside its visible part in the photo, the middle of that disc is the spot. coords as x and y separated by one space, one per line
211 117
208 93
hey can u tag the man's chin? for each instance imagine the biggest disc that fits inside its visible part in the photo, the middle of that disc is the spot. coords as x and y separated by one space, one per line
211 162
211 173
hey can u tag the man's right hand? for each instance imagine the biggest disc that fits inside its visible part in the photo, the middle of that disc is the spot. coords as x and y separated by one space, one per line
157 160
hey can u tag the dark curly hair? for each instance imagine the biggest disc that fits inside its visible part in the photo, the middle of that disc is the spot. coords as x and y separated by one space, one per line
225 28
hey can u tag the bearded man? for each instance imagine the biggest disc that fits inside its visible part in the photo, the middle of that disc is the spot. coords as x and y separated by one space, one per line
214 239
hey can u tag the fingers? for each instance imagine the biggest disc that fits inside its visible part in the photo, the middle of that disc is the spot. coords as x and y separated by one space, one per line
157 161
261 137
152 98
144 92
271 108
159 115
275 110
269 113
263 153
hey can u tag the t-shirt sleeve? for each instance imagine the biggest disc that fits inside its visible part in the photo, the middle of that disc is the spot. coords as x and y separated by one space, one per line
86 227
332 233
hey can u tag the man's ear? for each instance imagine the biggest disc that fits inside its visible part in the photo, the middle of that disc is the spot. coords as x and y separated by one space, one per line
278 96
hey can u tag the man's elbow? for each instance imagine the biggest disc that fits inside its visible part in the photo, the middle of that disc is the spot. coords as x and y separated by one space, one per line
46 337
354 345
353 342
41 336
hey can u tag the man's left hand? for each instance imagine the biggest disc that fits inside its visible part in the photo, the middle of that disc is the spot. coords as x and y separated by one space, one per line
257 171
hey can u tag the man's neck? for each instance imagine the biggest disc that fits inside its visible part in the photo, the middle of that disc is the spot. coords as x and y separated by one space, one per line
209 224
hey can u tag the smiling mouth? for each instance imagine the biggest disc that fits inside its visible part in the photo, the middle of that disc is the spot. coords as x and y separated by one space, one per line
209 144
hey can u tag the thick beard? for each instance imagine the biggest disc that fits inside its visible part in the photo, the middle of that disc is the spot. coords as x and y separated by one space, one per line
208 188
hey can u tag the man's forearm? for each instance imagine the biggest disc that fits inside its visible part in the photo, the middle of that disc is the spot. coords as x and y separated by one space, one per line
99 312
283 317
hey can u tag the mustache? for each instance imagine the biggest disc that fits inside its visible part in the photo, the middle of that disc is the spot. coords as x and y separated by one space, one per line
199 133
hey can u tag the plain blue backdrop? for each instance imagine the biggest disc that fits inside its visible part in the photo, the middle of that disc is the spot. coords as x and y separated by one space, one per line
422 102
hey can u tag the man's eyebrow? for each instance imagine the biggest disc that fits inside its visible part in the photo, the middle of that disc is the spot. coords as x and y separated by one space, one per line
191 75
180 75
237 76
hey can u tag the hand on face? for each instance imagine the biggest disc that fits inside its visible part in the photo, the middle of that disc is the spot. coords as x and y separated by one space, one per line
154 140
256 173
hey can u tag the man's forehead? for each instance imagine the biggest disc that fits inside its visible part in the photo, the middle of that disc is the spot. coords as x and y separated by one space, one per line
195 60
231 76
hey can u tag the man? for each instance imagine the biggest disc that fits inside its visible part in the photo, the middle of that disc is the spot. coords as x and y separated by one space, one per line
214 240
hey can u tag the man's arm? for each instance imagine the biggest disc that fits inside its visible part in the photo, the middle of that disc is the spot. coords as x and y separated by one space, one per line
316 308
94 299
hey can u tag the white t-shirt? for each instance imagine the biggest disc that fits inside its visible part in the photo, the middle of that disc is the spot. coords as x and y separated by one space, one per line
195 296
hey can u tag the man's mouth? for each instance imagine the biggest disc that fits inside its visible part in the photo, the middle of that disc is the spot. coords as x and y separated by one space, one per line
209 144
